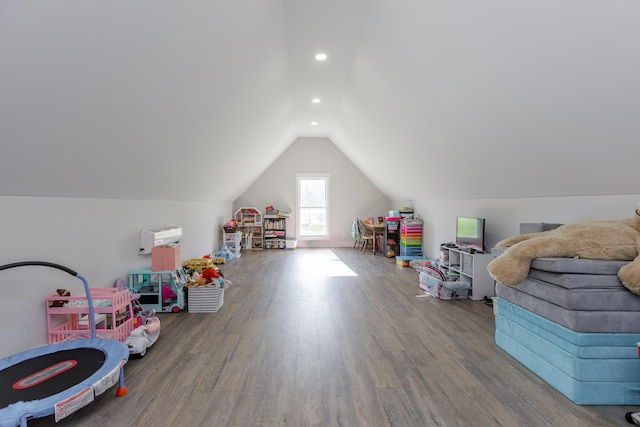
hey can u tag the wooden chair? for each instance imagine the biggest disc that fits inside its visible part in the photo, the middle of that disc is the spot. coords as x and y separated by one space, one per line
366 237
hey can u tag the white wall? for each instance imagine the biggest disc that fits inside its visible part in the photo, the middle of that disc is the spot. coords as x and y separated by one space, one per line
98 238
503 216
352 194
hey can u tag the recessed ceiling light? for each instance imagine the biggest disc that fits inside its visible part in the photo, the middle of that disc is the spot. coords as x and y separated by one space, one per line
316 100
321 56
314 123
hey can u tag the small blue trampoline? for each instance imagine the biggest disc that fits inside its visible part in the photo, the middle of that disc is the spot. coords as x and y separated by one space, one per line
59 378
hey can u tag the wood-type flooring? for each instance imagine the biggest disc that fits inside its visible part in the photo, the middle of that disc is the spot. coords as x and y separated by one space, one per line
332 337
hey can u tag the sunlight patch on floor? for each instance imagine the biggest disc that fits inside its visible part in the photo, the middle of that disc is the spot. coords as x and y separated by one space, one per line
323 263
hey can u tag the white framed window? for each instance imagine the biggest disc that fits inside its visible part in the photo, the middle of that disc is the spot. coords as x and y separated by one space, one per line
312 200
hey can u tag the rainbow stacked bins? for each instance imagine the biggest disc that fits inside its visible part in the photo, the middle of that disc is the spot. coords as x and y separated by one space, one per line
411 237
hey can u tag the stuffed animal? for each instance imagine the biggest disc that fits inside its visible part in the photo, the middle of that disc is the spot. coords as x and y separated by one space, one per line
617 239
210 273
61 303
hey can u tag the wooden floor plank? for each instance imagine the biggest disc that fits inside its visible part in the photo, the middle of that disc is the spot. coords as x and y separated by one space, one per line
332 337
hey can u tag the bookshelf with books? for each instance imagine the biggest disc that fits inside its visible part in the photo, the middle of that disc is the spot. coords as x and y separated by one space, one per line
275 232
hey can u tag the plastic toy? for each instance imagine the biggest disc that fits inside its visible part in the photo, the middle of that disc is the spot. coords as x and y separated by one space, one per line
226 253
70 373
135 297
167 294
144 336
198 264
160 290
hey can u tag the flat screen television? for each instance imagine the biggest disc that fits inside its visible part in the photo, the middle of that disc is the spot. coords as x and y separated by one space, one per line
470 232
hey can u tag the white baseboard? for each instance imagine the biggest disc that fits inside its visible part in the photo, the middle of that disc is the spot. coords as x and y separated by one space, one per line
325 243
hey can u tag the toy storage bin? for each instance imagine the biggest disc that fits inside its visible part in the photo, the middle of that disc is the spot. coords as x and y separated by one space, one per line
291 244
205 299
443 290
112 308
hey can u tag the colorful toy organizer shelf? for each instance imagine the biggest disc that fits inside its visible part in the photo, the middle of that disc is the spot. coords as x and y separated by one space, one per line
112 314
411 237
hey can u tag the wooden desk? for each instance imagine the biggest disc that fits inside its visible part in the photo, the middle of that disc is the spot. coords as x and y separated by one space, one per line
377 228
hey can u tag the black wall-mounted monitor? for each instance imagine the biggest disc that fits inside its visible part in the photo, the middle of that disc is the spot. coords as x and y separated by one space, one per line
470 232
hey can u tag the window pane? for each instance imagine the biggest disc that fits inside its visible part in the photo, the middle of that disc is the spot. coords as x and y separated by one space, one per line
313 206
312 193
313 221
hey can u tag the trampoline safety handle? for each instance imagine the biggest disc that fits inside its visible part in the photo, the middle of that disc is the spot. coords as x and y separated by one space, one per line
67 270
43 263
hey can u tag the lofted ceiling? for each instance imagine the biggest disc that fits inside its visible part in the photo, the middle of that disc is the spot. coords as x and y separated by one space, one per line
194 99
